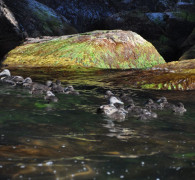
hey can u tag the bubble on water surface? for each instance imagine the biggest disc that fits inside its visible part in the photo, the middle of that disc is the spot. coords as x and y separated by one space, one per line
108 173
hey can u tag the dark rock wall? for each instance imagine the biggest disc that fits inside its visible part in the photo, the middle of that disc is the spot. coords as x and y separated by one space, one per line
10 33
28 18
85 15
144 5
37 19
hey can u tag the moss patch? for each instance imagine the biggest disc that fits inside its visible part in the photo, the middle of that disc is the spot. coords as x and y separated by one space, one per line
100 49
179 75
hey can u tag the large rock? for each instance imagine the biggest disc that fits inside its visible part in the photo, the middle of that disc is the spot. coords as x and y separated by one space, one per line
100 49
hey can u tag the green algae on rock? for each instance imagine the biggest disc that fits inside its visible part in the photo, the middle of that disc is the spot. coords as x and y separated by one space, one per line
101 49
178 75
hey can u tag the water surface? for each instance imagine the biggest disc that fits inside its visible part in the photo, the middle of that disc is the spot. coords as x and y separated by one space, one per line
69 140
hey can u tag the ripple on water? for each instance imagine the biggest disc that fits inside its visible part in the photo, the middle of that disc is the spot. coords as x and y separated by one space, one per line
69 140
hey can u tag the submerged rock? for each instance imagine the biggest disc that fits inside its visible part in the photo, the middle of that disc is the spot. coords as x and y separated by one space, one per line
101 49
177 75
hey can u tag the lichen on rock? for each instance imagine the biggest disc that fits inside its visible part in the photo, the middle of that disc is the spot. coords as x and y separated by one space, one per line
101 49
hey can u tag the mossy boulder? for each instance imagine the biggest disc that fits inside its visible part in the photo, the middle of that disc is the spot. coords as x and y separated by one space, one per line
100 49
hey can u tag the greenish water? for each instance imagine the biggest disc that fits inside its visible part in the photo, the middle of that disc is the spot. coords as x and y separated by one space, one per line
69 140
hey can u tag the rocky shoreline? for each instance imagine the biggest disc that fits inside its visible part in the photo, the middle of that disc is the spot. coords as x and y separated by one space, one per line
45 37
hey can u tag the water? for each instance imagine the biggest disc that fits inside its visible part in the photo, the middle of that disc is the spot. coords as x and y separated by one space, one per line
69 140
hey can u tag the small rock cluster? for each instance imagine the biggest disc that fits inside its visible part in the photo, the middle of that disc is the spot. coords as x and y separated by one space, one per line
37 88
117 110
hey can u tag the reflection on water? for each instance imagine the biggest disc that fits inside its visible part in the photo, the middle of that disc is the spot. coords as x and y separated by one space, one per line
68 140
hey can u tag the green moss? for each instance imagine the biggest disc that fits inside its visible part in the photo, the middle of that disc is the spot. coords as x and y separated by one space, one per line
169 87
86 51
174 86
148 86
144 62
180 87
160 86
39 105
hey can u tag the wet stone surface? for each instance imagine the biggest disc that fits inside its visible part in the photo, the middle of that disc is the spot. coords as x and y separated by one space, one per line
69 140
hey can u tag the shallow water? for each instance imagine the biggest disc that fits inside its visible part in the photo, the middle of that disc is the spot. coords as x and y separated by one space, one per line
69 140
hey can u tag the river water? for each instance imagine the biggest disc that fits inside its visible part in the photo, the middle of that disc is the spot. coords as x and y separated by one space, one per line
69 140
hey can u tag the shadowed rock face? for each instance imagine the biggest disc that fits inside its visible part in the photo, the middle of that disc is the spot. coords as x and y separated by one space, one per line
10 33
165 30
145 5
36 19
90 15
189 47
22 18
100 49
189 54
85 15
